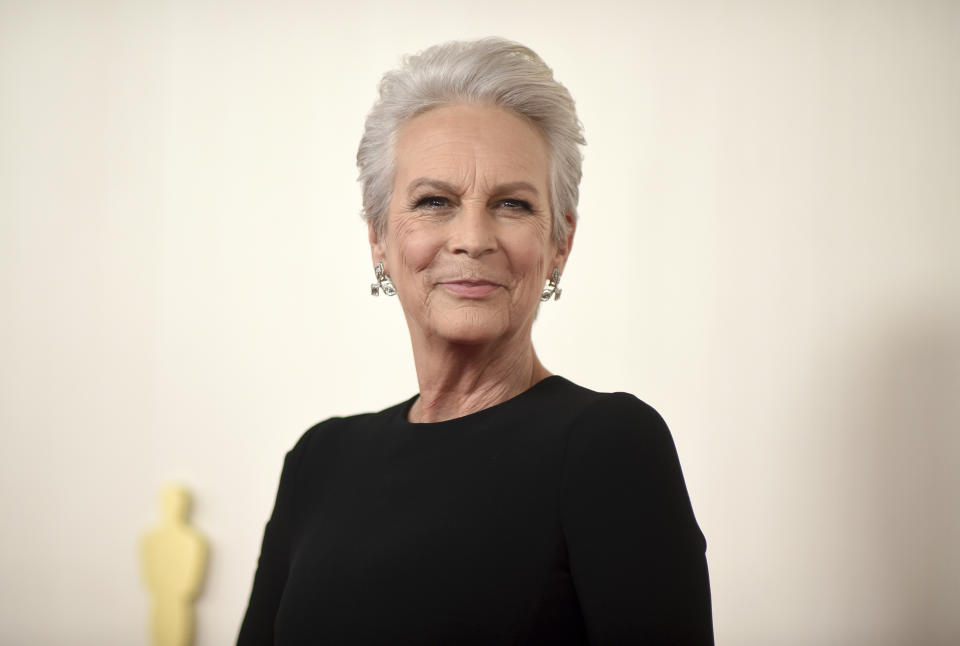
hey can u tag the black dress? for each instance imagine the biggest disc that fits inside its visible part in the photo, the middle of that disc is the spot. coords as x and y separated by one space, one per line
557 517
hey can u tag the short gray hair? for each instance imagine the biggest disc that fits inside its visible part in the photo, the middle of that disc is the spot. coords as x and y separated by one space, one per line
490 71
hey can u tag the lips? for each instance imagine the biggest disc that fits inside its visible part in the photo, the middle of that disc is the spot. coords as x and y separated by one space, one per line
469 288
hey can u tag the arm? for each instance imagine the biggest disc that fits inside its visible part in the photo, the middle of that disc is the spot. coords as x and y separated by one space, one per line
637 556
273 564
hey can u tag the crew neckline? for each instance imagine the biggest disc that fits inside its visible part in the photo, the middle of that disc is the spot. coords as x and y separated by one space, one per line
401 417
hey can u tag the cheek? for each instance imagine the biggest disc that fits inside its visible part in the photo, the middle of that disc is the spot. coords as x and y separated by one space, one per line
530 259
413 247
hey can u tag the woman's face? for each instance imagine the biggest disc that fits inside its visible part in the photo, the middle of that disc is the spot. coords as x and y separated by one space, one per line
468 241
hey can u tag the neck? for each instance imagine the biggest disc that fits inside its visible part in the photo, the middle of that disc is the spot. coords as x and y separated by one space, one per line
457 380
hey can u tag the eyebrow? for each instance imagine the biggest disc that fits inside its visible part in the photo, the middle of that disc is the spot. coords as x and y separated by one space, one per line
447 187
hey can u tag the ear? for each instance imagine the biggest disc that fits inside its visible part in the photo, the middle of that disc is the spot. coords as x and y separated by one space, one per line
377 249
563 251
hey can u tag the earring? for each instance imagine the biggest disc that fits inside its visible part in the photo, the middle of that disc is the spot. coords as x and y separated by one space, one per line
383 282
552 287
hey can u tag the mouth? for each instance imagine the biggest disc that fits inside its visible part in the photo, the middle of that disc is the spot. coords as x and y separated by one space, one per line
469 288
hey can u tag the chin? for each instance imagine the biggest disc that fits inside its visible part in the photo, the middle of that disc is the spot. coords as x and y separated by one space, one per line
472 328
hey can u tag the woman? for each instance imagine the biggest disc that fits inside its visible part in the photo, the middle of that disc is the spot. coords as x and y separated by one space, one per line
502 504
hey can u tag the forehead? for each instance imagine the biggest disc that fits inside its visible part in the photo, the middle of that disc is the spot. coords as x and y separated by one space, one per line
469 142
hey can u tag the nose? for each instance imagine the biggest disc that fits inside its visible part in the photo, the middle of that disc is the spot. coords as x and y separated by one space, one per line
473 231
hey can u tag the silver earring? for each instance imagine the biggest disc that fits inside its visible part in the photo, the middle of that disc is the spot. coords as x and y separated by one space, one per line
552 287
383 282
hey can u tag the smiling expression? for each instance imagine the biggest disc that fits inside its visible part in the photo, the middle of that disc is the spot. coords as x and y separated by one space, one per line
468 241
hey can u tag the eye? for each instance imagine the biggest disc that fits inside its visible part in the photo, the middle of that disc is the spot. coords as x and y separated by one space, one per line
515 205
431 202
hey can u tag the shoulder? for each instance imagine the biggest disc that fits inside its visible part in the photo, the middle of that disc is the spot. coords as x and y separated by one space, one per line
327 438
624 406
611 412
620 426
620 454
328 432
621 434
610 429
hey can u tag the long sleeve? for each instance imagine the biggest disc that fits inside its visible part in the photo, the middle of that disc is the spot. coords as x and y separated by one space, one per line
637 556
273 564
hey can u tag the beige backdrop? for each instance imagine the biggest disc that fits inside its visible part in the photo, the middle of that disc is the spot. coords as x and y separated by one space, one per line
767 254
